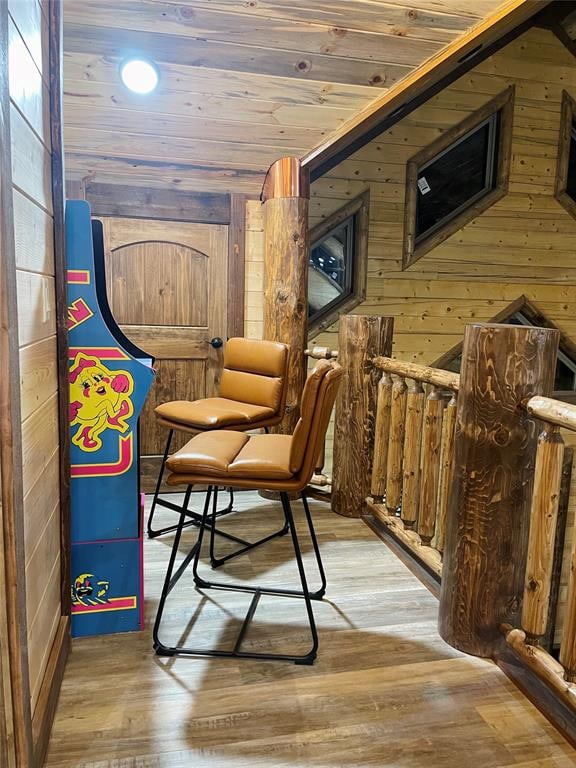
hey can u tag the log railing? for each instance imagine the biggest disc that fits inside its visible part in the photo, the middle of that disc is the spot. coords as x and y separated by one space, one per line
413 455
525 642
465 472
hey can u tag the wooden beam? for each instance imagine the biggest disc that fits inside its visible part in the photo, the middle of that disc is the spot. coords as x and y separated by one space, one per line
439 71
236 265
133 202
489 502
58 195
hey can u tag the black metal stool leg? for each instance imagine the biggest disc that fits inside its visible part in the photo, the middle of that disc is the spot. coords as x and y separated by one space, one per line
216 562
322 591
194 555
151 532
168 582
311 655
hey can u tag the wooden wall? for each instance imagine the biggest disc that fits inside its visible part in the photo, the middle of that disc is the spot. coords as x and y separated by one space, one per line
524 244
30 269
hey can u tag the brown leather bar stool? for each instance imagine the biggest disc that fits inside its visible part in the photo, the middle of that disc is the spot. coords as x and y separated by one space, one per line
252 395
283 463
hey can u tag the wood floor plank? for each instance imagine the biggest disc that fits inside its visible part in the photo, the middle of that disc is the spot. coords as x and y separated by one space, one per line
385 690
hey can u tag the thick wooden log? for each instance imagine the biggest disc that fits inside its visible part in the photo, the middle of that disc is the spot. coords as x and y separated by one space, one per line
412 447
568 645
435 376
286 252
396 446
488 511
381 437
431 443
543 520
446 468
361 338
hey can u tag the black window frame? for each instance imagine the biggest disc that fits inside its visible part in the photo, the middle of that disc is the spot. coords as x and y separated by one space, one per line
498 112
357 212
349 259
493 122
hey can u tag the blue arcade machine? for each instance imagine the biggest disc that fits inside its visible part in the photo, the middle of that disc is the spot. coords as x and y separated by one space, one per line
109 381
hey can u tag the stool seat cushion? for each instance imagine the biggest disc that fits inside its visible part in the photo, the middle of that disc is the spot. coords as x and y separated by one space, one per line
212 413
224 453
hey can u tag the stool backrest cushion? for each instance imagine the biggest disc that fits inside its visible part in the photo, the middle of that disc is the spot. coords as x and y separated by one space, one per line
255 372
316 406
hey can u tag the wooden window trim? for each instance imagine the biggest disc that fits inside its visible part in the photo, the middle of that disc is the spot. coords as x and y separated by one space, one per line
360 209
503 103
567 118
523 305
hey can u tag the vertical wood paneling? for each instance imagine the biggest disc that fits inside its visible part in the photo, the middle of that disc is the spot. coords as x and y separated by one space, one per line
34 244
31 166
27 90
16 740
33 27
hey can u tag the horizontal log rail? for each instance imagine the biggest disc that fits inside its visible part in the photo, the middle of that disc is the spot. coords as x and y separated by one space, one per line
545 666
553 411
422 373
321 353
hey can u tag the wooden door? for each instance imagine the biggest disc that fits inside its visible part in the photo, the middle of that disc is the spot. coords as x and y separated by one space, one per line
167 286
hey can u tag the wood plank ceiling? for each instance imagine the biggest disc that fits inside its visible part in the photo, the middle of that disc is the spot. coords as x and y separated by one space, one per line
243 82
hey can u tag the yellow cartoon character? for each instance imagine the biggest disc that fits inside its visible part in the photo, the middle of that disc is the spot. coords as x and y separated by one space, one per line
99 400
89 590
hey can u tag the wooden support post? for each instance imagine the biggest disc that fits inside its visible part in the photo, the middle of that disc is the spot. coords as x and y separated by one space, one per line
361 338
568 645
412 447
381 436
446 466
431 443
286 196
396 446
543 520
488 510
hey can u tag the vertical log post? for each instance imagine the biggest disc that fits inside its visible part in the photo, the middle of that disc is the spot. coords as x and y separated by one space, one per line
488 512
361 338
286 196
431 442
396 446
381 436
446 464
568 645
543 520
412 446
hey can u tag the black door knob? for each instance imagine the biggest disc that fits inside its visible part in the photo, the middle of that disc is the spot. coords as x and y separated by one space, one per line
216 342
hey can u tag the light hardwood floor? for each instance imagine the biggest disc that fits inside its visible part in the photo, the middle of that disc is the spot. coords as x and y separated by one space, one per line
385 690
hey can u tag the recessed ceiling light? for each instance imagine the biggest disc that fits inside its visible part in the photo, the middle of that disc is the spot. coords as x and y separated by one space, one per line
139 75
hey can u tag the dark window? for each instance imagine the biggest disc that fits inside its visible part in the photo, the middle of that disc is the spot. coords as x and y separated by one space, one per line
331 269
571 176
457 177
